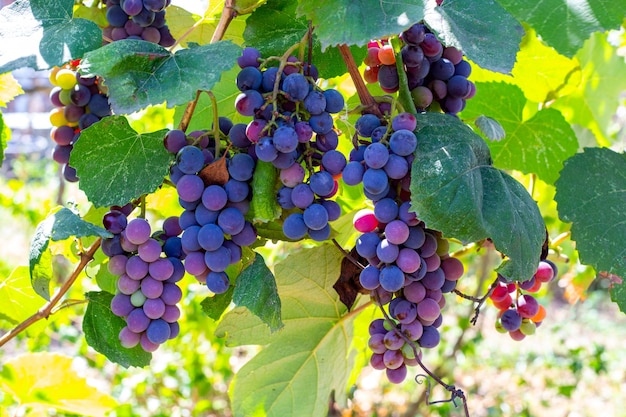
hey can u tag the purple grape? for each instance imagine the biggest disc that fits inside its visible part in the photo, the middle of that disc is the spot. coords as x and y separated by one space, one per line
171 294
137 321
150 250
158 331
366 124
334 101
248 102
295 86
121 305
249 58
154 308
249 78
214 197
128 338
217 260
294 227
151 288
391 278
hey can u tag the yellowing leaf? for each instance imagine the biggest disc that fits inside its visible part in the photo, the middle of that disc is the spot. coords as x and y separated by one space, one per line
47 380
9 88
19 300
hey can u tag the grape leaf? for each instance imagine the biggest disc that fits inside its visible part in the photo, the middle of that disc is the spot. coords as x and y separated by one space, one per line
39 381
455 189
19 300
483 30
282 13
46 34
5 135
538 145
343 21
618 296
591 194
58 226
9 88
115 164
564 24
256 290
215 306
307 359
490 128
140 73
102 328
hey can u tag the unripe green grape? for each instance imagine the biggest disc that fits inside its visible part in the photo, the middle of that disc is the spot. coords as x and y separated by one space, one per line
528 327
138 298
499 327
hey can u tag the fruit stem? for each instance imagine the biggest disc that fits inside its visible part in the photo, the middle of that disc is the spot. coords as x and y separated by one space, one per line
404 94
364 95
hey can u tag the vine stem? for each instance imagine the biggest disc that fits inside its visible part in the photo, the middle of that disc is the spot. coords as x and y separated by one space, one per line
45 311
404 95
364 95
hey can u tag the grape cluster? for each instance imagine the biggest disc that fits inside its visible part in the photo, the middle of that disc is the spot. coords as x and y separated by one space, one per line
148 267
520 313
78 103
293 129
215 201
435 73
408 269
138 19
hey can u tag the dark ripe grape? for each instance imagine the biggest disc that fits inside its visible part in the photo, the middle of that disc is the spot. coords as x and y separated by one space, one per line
217 260
292 176
454 55
527 285
413 330
154 5
315 102
249 58
87 120
415 34
431 45
386 210
404 311
408 260
132 28
173 247
334 162
376 155
294 227
151 288
334 101
121 305
302 196
132 7
174 141
190 159
265 149
285 139
527 306
396 232
248 102
463 69
190 188
376 361
217 282
171 295
428 309
146 344
167 39
391 278
295 86
161 269
231 221
511 320
63 136
137 321
405 121
453 105
189 239
327 141
269 79
210 236
430 337
377 326
249 78
388 78
116 16
284 198
73 113
114 221
150 250
366 124
112 246
412 56
145 18
375 181
214 197
403 142
80 95
432 262
315 216
236 190
366 244
434 280
353 173
255 130
158 331
376 343
357 154
99 105
246 237
322 183
452 268
238 137
241 167
396 167
151 34
320 235
458 87
321 123
304 131
128 338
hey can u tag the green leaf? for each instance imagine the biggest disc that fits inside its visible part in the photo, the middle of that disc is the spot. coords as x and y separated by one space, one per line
344 21
591 194
45 33
565 25
455 189
311 356
58 226
282 13
140 73
115 164
537 145
490 128
483 30
264 207
618 296
19 300
40 381
215 306
5 135
102 328
256 290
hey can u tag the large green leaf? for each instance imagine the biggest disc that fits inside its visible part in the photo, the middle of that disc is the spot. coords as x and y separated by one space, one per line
102 329
255 289
537 145
43 380
455 189
591 194
564 24
140 73
60 225
115 164
41 33
483 30
357 22
618 296
307 359
19 300
282 13
5 135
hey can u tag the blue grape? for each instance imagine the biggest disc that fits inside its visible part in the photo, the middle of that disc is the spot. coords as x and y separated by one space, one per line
295 86
248 102
375 181
249 58
366 124
241 167
376 155
396 167
315 216
302 196
294 227
322 183
334 101
210 237
391 278
249 78
190 159
285 139
217 260
370 277
265 149
231 221
217 282
353 173
321 123
315 102
321 234
403 142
